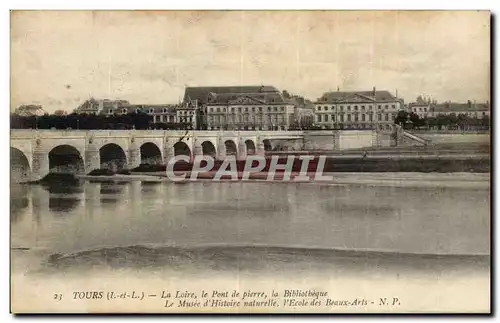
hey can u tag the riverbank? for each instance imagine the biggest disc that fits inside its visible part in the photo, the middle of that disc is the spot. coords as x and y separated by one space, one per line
354 163
358 162
444 180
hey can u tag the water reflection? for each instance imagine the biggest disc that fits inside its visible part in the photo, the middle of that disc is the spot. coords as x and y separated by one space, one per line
19 201
111 192
88 214
63 195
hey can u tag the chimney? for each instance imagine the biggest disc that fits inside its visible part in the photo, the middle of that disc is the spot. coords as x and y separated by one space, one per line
374 91
338 89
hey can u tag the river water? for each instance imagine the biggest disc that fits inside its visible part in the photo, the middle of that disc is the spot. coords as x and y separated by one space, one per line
376 229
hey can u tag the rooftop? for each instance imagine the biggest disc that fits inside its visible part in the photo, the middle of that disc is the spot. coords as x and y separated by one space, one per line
356 96
225 94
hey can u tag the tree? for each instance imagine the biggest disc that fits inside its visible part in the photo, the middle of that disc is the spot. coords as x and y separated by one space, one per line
401 118
420 100
485 121
453 119
416 120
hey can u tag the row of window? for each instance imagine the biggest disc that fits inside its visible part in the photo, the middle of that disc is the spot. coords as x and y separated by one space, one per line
185 119
435 114
358 126
355 117
248 127
271 119
370 107
420 109
466 113
186 113
162 118
253 109
125 111
213 124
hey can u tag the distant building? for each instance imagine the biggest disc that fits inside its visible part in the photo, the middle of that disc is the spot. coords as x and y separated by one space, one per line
162 113
423 110
357 110
239 108
29 110
105 106
188 112
304 112
470 109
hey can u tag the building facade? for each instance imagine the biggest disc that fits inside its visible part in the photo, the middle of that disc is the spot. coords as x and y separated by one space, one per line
105 106
423 110
357 110
469 109
188 113
240 108
161 113
432 109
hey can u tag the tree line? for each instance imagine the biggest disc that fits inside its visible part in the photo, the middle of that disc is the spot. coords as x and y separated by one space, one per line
412 120
140 121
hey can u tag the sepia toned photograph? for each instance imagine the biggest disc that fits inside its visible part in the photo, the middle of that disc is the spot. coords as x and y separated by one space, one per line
249 162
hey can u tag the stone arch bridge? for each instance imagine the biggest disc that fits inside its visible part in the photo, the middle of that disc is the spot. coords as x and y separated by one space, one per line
34 153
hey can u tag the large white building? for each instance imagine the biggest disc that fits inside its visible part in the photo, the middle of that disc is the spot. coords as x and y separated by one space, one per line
241 107
357 110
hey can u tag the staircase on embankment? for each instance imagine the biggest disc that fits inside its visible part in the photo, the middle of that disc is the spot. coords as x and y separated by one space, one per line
413 139
399 138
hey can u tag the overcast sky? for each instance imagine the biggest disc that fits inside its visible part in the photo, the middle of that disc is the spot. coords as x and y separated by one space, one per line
60 59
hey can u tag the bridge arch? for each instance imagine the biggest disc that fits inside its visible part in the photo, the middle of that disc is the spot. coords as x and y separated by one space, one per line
250 147
66 159
112 157
208 148
181 148
20 170
267 145
150 154
231 149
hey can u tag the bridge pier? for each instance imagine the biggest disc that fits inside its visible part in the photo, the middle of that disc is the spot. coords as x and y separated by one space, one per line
134 157
92 159
168 151
197 148
242 149
40 165
259 147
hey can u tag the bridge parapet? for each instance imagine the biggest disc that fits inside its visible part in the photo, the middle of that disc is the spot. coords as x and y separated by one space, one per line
91 146
120 133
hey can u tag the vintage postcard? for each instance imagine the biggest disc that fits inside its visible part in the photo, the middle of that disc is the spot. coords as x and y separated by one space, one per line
250 162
